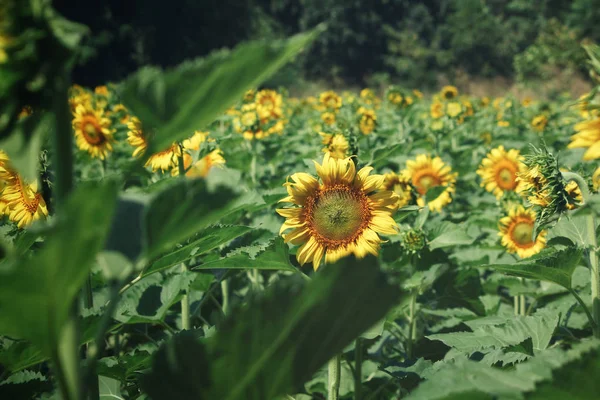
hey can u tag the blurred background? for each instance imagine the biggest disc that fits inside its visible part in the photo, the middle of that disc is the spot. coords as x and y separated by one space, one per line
482 46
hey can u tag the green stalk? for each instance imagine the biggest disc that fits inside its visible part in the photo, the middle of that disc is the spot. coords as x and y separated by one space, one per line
225 294
592 248
185 300
334 378
253 162
522 305
66 355
88 303
358 353
412 328
516 303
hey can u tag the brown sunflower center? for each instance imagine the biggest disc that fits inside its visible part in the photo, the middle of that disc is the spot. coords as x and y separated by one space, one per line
92 132
506 175
522 234
425 182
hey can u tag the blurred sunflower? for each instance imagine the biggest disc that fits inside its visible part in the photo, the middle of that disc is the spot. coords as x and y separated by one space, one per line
574 195
330 100
268 104
335 145
596 179
400 185
339 215
136 137
166 159
426 173
202 167
25 112
516 231
93 131
449 92
436 110
194 142
539 123
249 95
503 124
418 94
25 203
453 109
587 136
527 101
368 120
532 184
328 118
395 98
499 170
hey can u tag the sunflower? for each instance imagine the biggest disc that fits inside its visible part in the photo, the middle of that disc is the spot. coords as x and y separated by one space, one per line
499 170
339 215
532 184
449 92
418 93
527 101
587 136
368 120
330 100
395 98
503 124
328 118
399 185
101 90
436 110
574 196
249 95
596 179
454 109
516 231
25 203
426 173
166 159
136 137
25 112
202 167
196 141
335 145
268 104
93 131
539 123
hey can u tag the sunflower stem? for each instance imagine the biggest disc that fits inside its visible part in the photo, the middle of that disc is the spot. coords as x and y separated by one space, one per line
516 303
66 355
185 300
334 377
522 305
592 248
253 162
225 294
358 353
412 326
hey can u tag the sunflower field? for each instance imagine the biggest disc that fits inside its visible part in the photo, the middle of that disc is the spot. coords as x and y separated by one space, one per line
188 233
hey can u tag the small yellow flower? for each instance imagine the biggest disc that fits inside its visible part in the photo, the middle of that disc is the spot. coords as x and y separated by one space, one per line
342 214
516 231
196 141
335 145
539 122
418 94
268 104
426 173
93 132
503 124
527 101
249 95
587 136
395 98
330 100
25 112
368 120
328 118
101 90
449 92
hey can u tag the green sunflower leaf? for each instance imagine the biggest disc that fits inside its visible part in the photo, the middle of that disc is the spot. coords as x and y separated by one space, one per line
552 265
175 103
47 284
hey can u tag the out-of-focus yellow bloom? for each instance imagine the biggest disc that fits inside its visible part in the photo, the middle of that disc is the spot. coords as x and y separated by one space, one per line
539 122
587 136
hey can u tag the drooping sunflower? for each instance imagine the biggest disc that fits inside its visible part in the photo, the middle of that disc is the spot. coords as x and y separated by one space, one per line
136 136
574 195
400 185
499 171
426 173
25 203
449 92
532 185
194 142
93 132
516 231
339 215
587 136
335 145
539 123
166 159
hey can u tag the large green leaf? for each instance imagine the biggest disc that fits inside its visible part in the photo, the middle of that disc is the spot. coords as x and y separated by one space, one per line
274 256
273 346
177 102
185 207
210 238
551 265
46 284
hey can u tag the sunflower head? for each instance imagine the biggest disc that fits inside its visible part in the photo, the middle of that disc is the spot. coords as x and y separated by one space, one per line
336 145
268 104
413 240
368 120
341 213
166 159
23 202
499 171
436 110
587 137
400 185
449 92
328 118
426 173
517 231
330 100
454 109
93 132
136 136
539 123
